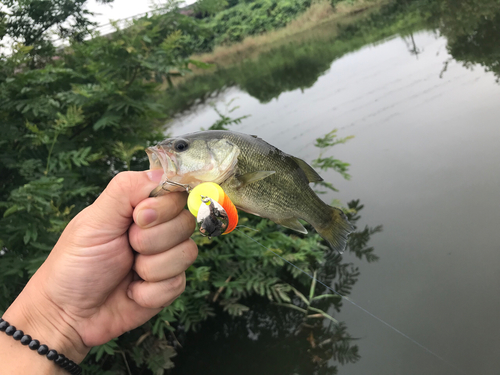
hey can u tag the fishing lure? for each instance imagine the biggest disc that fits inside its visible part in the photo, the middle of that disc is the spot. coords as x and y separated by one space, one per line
215 213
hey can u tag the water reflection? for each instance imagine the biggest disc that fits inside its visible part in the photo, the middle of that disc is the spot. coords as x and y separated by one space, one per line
425 161
471 27
283 339
412 46
479 43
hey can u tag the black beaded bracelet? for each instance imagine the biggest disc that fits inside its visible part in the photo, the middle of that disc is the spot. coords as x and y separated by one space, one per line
59 359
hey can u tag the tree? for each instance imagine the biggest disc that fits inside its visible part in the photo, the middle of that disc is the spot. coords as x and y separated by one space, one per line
35 23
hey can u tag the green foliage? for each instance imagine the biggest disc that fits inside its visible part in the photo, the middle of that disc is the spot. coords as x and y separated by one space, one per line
226 22
70 122
224 120
309 311
358 241
109 348
126 152
256 17
218 22
74 117
210 7
324 163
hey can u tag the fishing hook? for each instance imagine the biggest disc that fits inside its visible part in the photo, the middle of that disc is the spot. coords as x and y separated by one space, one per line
176 184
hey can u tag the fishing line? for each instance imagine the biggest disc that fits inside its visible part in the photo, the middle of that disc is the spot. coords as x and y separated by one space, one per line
358 306
255 230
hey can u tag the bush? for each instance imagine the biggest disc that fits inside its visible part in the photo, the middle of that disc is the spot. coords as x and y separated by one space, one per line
71 118
244 19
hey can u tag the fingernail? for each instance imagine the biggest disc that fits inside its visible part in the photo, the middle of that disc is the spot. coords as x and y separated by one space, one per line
155 175
146 217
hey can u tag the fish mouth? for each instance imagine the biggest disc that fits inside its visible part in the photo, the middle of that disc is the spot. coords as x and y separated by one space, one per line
160 159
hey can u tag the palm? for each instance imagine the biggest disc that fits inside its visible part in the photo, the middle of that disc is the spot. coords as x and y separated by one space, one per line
93 277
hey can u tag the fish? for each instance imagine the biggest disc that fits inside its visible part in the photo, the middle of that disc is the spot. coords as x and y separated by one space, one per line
258 178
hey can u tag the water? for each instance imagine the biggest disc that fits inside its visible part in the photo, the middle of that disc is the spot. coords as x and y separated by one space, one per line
425 163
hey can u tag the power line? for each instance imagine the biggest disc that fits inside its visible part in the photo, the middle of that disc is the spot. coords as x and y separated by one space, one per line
452 365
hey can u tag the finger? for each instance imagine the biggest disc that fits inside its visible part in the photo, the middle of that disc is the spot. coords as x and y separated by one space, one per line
167 264
154 295
116 203
163 236
153 211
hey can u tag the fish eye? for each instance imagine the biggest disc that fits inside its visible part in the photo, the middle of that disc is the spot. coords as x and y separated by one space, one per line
181 145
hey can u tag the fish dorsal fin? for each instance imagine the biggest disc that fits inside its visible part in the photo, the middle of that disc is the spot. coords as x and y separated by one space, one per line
248 178
311 174
292 223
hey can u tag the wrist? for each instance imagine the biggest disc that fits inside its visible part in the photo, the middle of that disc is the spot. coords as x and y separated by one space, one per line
38 317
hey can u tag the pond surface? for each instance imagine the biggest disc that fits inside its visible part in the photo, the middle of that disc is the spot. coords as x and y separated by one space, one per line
425 162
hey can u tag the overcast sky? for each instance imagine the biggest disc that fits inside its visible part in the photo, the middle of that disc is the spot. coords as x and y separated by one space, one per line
117 10
120 9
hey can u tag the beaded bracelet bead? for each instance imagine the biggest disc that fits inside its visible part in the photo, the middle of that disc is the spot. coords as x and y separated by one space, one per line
52 355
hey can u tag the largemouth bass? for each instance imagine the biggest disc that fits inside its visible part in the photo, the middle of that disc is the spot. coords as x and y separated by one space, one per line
258 178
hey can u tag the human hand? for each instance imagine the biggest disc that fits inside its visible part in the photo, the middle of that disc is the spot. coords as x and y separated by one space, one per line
93 286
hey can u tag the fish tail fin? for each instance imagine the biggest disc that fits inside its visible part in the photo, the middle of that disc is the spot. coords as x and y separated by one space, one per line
336 229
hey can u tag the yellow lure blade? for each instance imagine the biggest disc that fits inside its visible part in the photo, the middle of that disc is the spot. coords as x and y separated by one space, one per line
206 194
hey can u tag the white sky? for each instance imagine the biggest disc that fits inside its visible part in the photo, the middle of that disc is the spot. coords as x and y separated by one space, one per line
120 9
117 10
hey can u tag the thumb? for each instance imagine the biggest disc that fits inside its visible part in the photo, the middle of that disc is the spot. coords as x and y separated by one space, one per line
114 207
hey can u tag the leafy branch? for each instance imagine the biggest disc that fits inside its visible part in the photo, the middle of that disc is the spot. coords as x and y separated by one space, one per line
308 301
325 163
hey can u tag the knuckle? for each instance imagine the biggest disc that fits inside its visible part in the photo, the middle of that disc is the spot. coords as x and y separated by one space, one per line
120 185
139 241
144 243
148 301
178 284
121 181
171 205
179 199
188 222
140 295
142 269
190 251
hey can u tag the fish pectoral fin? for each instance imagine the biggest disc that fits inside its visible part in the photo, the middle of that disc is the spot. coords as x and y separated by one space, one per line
311 174
248 178
292 223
